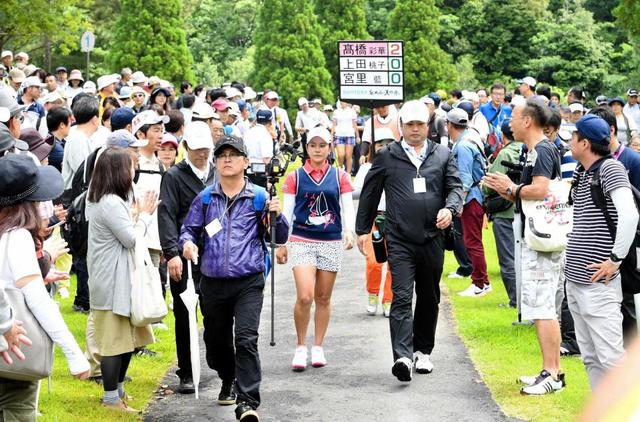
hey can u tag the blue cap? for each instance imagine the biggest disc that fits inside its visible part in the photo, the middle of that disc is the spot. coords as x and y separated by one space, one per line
242 104
263 116
435 97
594 128
506 129
121 117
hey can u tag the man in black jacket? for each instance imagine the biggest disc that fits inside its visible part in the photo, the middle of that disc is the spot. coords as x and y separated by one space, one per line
423 192
180 185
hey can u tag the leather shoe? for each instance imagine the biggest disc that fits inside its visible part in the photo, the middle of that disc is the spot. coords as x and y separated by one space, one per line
227 394
186 386
246 413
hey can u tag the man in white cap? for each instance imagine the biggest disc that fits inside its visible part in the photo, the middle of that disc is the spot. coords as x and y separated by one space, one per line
423 192
138 79
6 60
307 118
527 86
16 77
280 117
34 112
22 59
180 185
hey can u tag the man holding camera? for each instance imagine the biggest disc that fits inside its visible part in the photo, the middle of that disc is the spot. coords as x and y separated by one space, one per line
423 192
259 143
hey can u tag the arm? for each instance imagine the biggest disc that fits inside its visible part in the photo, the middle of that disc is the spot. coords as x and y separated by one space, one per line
354 122
453 187
537 190
370 195
359 180
168 216
627 220
346 204
464 158
289 205
6 316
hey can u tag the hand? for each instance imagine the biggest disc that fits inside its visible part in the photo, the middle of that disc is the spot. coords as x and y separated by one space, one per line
56 247
55 276
363 159
147 204
498 182
347 238
175 268
83 375
14 337
190 251
274 205
605 270
60 213
444 218
282 255
362 244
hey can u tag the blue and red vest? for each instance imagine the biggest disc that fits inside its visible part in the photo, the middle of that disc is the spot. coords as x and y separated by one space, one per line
317 210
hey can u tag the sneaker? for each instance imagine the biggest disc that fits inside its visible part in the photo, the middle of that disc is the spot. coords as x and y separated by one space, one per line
455 275
372 306
186 386
81 309
299 362
227 394
402 369
473 291
317 357
543 384
422 363
160 326
386 308
568 349
246 413
143 351
487 288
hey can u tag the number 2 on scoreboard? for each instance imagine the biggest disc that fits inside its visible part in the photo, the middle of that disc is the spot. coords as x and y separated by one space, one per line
395 49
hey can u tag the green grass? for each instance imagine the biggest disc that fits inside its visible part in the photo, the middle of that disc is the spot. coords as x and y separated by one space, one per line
75 400
502 352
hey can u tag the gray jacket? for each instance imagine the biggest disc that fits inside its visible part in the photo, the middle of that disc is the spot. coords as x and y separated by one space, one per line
112 237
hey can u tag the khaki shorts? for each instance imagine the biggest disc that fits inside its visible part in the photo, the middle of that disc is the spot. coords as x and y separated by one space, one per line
540 278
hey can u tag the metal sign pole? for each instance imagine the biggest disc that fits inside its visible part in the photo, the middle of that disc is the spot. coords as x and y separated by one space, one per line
88 61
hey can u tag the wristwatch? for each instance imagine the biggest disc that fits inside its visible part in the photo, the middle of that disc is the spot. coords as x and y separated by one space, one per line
614 258
510 191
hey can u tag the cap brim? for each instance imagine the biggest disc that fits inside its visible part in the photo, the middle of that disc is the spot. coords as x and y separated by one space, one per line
140 143
220 147
50 185
22 145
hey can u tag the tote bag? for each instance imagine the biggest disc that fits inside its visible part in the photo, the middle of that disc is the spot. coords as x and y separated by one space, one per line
147 303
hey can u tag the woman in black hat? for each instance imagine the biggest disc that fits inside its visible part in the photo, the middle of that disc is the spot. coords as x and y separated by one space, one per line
626 125
160 96
22 185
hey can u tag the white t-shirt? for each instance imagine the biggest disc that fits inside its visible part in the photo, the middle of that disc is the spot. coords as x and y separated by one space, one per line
344 118
76 150
259 144
308 120
18 258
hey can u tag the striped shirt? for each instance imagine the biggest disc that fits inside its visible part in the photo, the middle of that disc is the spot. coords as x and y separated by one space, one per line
590 241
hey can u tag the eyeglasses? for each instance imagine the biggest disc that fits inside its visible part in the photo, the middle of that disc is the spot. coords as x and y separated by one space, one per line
19 118
229 156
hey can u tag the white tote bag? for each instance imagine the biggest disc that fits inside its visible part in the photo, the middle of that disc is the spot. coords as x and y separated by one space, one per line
549 222
147 303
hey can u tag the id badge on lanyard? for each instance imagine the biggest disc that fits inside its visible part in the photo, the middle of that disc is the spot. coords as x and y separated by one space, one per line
419 184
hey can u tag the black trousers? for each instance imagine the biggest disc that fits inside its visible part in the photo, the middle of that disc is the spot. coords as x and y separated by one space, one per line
419 266
182 318
234 305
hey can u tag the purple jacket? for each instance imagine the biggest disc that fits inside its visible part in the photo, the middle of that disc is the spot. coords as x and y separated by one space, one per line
235 251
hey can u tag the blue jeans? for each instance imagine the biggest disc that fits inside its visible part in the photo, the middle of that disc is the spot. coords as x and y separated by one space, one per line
503 233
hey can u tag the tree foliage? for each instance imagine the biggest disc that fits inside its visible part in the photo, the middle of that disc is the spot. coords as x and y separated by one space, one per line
288 55
377 16
426 66
150 37
338 22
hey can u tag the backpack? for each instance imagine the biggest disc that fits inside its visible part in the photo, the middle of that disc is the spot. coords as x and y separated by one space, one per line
480 159
629 272
259 203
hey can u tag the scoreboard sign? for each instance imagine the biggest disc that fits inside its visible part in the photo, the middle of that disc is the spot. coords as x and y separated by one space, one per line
371 72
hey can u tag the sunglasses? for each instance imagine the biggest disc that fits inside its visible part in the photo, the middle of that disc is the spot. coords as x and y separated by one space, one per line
138 95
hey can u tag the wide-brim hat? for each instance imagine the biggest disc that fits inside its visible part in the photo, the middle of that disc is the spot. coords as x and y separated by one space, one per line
22 180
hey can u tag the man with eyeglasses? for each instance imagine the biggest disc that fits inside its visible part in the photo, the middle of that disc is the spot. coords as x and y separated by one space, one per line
495 111
34 111
139 97
232 267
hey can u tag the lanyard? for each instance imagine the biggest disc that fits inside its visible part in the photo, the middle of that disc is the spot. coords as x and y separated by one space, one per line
618 152
228 206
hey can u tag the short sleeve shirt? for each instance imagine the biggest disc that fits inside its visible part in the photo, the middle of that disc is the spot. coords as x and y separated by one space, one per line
18 259
543 160
344 118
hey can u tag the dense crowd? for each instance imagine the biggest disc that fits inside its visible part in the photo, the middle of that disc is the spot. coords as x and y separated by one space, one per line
90 170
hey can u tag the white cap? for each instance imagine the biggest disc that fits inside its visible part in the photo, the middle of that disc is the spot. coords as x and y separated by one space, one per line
234 110
6 53
414 111
29 69
138 78
319 132
5 114
383 134
317 101
576 107
302 101
106 80
154 80
204 111
165 84
22 54
233 92
197 135
75 74
52 97
148 117
271 95
427 100
249 93
528 80
471 96
89 87
137 90
518 100
32 81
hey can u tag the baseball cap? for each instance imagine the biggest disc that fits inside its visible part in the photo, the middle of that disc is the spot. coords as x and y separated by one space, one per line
121 118
383 134
506 129
204 111
89 87
6 53
138 78
233 92
197 135
594 128
317 101
29 69
61 69
458 116
328 107
234 110
616 100
263 116
7 101
169 138
319 132
632 92
75 75
414 111
106 80
302 101
427 100
527 80
249 93
153 80
52 97
602 100
576 107
125 71
125 92
220 104
22 54
17 75
32 81
148 117
230 141
7 140
271 95
122 138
